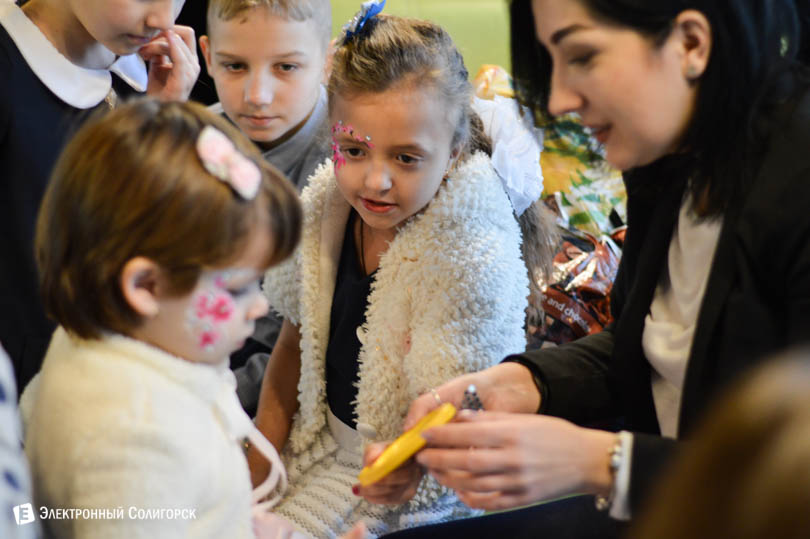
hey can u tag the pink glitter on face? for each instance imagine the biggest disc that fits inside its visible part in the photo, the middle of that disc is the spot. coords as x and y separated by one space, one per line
209 311
337 156
219 307
208 338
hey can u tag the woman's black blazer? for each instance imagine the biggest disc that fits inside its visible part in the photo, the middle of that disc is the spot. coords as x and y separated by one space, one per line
757 299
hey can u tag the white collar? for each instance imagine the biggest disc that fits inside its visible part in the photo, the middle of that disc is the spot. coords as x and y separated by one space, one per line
75 85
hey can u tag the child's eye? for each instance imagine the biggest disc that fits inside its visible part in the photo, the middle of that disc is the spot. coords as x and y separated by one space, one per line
233 66
239 291
287 68
354 153
406 159
236 292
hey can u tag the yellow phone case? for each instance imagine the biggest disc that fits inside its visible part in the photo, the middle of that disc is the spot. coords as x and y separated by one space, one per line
405 446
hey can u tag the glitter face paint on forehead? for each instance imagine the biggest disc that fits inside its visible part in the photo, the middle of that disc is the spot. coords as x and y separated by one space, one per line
337 156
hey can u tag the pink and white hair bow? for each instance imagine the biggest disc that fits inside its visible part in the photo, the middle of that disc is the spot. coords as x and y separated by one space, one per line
221 158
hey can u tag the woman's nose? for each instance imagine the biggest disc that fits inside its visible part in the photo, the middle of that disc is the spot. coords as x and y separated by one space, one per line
563 98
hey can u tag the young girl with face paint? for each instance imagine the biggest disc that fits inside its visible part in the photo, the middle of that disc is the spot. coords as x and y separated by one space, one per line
155 230
409 273
60 59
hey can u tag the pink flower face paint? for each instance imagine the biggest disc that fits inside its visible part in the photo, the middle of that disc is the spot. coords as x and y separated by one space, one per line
209 311
337 157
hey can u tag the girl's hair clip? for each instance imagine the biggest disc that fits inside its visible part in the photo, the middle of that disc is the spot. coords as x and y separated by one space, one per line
220 157
368 10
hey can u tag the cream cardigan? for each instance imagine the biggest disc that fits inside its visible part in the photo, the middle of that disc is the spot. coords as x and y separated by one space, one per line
449 297
116 423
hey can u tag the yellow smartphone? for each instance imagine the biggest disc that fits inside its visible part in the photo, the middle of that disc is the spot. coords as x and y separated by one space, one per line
405 446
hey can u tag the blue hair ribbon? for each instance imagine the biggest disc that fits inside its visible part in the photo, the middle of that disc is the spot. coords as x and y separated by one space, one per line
368 10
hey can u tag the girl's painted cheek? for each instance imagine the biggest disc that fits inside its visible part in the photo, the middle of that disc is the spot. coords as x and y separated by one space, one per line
208 312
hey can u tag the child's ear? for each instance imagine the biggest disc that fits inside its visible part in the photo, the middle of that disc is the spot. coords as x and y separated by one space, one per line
205 46
139 281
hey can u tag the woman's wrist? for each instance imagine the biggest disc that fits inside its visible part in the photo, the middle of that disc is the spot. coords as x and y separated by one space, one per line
599 472
521 380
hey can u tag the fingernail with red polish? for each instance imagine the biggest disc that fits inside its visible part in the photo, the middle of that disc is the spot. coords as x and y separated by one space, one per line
356 490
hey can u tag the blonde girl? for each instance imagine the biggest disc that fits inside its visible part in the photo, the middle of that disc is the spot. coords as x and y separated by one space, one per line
409 273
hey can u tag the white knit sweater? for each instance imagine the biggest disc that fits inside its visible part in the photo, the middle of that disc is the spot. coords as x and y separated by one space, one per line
448 298
117 423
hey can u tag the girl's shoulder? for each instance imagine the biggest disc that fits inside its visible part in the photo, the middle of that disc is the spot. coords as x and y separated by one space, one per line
473 192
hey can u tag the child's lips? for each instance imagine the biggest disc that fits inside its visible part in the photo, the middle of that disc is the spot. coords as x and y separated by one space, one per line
258 120
377 206
139 40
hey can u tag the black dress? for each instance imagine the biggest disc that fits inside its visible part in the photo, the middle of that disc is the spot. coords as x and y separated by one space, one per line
349 303
34 127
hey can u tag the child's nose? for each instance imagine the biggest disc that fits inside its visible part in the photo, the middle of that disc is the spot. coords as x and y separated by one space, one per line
162 15
259 308
260 89
378 178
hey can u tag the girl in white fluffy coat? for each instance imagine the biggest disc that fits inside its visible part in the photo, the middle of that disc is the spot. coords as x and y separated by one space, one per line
155 230
409 273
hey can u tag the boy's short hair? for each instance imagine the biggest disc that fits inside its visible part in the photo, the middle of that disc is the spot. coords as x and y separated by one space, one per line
130 183
319 11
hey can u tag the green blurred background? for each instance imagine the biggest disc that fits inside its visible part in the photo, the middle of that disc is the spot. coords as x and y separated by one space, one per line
480 28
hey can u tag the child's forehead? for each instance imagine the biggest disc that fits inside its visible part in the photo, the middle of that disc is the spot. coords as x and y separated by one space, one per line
401 116
274 26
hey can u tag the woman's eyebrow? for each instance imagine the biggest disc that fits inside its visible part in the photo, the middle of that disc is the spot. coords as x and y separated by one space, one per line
561 34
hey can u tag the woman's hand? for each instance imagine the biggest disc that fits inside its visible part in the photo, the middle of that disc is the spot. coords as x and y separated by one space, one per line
506 387
499 460
173 64
395 488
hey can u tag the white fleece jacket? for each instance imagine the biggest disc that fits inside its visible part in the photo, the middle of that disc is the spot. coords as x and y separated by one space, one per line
449 297
116 423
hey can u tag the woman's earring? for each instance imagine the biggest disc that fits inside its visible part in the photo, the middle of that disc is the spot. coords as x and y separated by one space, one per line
691 72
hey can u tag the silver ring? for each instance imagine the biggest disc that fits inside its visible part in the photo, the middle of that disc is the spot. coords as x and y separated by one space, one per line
436 396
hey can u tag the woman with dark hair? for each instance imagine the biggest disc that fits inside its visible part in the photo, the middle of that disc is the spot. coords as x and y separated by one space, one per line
705 107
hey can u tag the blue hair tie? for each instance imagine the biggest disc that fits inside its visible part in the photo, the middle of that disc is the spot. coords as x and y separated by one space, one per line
368 10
